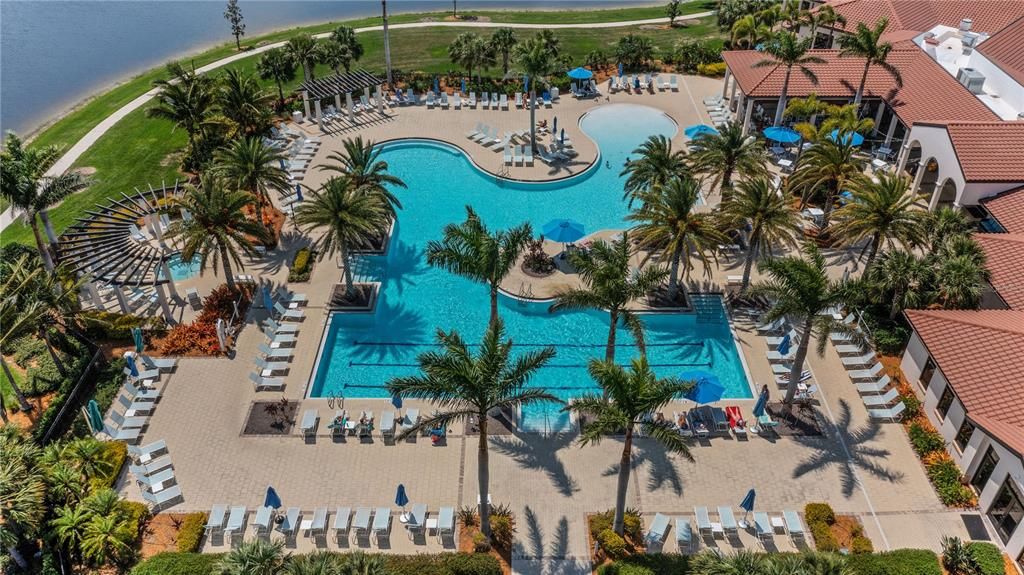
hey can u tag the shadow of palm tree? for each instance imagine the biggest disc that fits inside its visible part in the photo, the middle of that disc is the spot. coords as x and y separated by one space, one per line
398 335
405 263
858 454
277 259
557 548
662 465
534 451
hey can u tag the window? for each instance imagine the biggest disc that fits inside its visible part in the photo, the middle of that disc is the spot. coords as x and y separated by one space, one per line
945 401
963 436
1007 511
927 373
985 469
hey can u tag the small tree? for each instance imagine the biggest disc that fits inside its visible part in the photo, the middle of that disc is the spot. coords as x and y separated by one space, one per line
233 14
277 65
673 10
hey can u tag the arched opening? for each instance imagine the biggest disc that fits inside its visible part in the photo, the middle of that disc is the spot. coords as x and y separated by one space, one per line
946 194
928 176
913 158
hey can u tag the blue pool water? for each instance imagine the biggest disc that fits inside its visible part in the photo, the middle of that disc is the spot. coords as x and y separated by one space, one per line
182 270
361 352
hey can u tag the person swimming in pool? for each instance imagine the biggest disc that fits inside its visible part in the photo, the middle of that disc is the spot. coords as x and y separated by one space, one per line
608 164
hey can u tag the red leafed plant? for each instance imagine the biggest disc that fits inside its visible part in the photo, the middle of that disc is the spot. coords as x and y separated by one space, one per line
200 336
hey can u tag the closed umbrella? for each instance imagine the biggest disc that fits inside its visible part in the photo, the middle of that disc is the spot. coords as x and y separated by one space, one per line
283 165
554 125
620 69
271 499
747 505
526 83
699 130
396 400
784 345
762 402
221 335
298 193
563 136
463 85
95 417
401 500
137 336
707 388
129 361
782 134
268 300
437 85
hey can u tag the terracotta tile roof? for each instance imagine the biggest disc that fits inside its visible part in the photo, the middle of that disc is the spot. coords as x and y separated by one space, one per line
1006 50
981 353
988 16
1008 209
1004 257
929 93
989 151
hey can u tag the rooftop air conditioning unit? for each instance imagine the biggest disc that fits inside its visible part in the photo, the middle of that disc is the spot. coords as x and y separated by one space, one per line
965 24
971 79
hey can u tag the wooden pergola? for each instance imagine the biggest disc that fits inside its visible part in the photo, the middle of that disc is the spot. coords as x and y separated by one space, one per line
335 86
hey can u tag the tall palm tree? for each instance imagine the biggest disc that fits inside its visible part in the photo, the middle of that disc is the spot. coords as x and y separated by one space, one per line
337 56
360 162
306 52
188 100
347 37
628 399
656 163
667 222
771 218
468 385
471 250
471 51
727 154
248 164
536 57
826 169
22 492
748 33
243 101
219 229
945 222
827 16
609 283
867 43
255 557
24 186
350 217
883 212
801 290
902 278
788 51
503 40
277 65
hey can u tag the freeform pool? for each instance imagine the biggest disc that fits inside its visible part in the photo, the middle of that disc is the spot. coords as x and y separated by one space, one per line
361 352
181 269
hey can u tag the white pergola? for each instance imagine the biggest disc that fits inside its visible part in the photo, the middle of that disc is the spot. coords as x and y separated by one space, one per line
334 86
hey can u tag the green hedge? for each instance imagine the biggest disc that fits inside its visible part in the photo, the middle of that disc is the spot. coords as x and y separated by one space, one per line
988 556
924 439
899 562
425 564
820 518
190 535
177 564
302 266
648 564
946 477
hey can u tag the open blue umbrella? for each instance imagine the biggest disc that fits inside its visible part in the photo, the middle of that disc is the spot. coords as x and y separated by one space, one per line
129 361
137 337
782 134
747 505
95 417
707 389
580 74
271 499
563 231
699 130
268 300
762 403
784 345
857 138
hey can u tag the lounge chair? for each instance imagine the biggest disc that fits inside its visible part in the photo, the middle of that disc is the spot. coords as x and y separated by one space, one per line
547 99
849 349
444 100
192 295
153 483
728 520
291 299
416 520
152 466
264 518
783 380
143 374
457 101
472 134
763 526
736 421
508 158
292 314
158 363
793 524
504 101
894 413
275 352
140 393
318 525
123 422
134 408
342 521
236 521
143 455
685 540
517 155
272 383
472 100
771 327
658 530
118 434
215 521
673 84
269 368
528 155
162 498
280 328
382 523
519 99
703 520
279 339
862 360
495 101
430 99
485 101
776 340
713 100
776 357
412 417
411 97
310 419
866 373
387 424
874 387
884 400
446 522
290 526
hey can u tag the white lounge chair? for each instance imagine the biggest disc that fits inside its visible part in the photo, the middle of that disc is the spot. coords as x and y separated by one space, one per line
862 360
776 340
472 134
771 327
145 454
495 101
268 369
485 101
152 483
318 525
446 522
143 374
417 519
508 154
504 102
673 84
457 101
776 357
866 373
444 100
793 524
133 408
472 100
272 383
874 387
658 530
162 498
278 339
884 400
282 327
275 352
159 363
123 422
728 519
342 520
381 523
310 419
292 314
411 97
215 521
430 99
517 155
141 394
291 299
763 527
264 517
528 155
519 99
290 526
236 522
685 540
703 519
849 349
412 417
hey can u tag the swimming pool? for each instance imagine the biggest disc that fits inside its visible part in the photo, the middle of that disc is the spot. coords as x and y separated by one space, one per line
180 269
361 352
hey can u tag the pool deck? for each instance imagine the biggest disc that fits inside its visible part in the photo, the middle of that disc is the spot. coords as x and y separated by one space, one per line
858 466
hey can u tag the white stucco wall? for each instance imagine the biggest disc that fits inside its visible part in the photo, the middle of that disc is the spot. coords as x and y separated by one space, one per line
935 143
973 193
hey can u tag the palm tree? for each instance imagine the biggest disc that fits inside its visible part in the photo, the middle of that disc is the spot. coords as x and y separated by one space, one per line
471 250
536 56
351 218
189 101
250 165
826 169
255 557
883 212
277 65
347 37
218 229
667 222
786 50
748 33
471 51
243 101
359 563
361 164
22 492
802 290
468 386
827 16
337 56
503 40
945 222
727 154
610 284
107 538
316 563
867 43
69 526
902 278
305 51
64 484
960 280
634 51
655 164
771 218
628 399
24 185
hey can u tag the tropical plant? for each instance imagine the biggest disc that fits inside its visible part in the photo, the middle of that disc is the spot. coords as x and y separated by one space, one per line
536 57
742 562
727 154
25 186
748 33
351 218
502 42
826 15
653 163
788 51
667 222
634 51
69 527
277 65
673 10
610 284
867 43
624 406
471 51
945 222
321 563
219 229
305 51
347 37
960 280
107 539
22 492
957 558
336 55
885 213
801 290
359 563
471 250
468 385
596 60
189 101
254 557
360 163
902 279
771 219
824 170
248 164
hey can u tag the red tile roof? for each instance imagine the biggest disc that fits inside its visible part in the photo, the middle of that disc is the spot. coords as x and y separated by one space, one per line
989 16
1008 209
981 353
989 151
1004 258
929 93
1006 50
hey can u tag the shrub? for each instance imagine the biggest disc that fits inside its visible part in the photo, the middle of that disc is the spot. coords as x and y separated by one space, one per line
467 516
924 439
899 562
109 325
220 303
302 266
824 540
988 558
467 564
25 349
613 545
945 476
537 260
136 514
480 542
648 564
191 337
861 544
820 513
190 535
631 523
623 568
502 531
114 452
177 564
890 340
715 70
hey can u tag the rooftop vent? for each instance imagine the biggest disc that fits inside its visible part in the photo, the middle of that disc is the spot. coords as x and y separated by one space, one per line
965 24
971 79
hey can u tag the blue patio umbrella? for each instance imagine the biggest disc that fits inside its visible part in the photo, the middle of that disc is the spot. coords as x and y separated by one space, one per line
620 69
554 125
563 231
271 499
707 388
526 83
857 138
396 400
463 85
580 74
761 403
298 193
401 499
782 134
437 85
563 136
95 417
784 345
129 361
636 82
284 166
268 300
699 130
747 505
137 337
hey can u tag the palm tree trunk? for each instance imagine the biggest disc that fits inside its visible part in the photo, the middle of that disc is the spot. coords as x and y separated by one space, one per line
726 179
782 97
752 248
609 350
3 410
22 402
280 92
346 272
494 304
875 241
44 252
504 61
50 234
860 89
831 34
45 336
533 120
226 265
618 524
673 276
483 476
798 361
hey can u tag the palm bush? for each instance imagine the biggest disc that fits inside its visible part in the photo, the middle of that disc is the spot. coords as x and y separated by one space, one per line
884 213
727 154
655 163
773 221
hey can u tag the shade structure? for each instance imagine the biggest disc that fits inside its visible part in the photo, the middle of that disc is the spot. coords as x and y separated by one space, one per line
463 85
401 499
762 402
699 130
563 231
137 338
707 387
782 134
526 83
748 502
271 499
344 83
846 138
95 417
437 85
580 74
620 69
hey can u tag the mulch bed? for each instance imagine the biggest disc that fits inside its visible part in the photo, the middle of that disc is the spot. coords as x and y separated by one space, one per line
264 421
362 296
161 534
504 556
795 420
